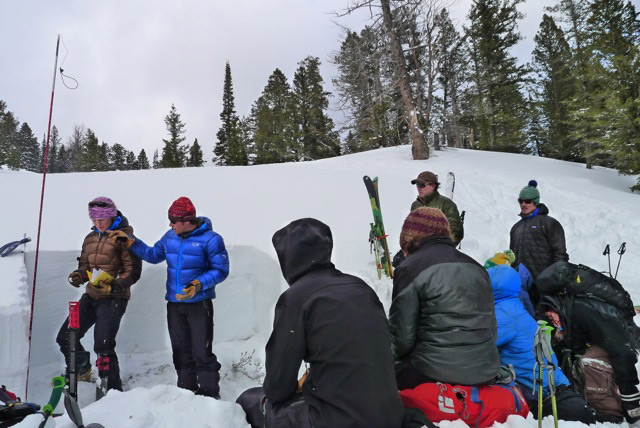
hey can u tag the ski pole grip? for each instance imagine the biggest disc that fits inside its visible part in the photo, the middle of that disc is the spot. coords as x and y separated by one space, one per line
74 315
58 386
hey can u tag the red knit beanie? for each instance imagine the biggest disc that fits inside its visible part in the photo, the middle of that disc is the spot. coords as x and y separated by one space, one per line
182 209
421 224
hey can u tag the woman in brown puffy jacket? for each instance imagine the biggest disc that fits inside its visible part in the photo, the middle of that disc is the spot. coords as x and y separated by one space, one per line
104 302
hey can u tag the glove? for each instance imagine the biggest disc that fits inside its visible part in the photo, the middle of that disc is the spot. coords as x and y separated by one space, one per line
119 235
631 410
190 290
75 279
103 287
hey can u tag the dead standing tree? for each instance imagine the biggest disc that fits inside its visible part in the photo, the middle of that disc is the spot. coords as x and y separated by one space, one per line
419 147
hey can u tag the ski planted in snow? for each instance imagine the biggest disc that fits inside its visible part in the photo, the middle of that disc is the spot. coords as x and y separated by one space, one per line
6 249
377 236
450 185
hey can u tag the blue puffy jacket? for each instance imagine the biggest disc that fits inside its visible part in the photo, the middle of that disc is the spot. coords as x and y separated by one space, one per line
201 255
517 329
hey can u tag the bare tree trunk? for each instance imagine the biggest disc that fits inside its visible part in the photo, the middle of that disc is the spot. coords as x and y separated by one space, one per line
419 149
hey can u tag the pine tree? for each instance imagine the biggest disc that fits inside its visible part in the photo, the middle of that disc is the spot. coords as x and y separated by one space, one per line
130 161
316 136
498 115
230 148
556 87
614 40
30 149
173 154
156 161
75 147
118 158
143 161
9 153
196 157
90 157
274 133
62 159
54 146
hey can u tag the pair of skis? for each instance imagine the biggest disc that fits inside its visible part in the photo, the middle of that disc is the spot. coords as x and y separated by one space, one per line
377 236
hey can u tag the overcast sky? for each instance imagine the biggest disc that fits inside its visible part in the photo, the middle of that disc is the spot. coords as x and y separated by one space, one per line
133 59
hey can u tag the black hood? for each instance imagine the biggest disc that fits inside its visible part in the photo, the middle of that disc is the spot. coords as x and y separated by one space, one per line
302 246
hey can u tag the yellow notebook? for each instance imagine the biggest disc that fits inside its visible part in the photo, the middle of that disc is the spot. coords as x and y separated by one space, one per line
97 275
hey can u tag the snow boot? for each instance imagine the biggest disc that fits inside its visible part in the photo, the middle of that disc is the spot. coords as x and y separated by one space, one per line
209 384
187 379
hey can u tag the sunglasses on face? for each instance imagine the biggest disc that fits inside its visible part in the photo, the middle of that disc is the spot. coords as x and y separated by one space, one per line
174 220
98 204
525 201
423 185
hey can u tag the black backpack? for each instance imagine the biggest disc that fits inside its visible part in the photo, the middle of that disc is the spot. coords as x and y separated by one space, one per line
568 279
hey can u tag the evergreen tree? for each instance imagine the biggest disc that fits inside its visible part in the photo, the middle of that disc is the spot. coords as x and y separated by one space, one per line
556 87
173 154
274 133
614 40
156 161
499 107
75 147
143 161
30 149
9 153
91 157
452 76
62 159
196 157
54 146
315 135
118 158
130 161
230 148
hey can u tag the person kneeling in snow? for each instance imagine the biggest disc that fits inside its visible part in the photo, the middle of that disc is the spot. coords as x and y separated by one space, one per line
197 261
516 332
336 323
102 304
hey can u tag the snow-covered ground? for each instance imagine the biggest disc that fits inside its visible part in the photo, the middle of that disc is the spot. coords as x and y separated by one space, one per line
247 205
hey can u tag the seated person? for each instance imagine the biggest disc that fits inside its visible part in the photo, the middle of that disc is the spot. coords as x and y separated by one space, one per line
516 331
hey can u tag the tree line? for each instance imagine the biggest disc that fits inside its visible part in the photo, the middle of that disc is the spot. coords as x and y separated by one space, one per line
411 76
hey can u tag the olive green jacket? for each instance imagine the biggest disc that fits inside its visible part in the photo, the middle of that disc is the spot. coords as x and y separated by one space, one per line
450 210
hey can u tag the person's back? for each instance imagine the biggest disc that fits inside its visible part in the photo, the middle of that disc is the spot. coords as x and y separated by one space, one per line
442 319
336 323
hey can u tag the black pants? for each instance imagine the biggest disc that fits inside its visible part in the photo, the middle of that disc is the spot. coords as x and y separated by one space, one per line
571 406
408 377
106 315
191 333
260 412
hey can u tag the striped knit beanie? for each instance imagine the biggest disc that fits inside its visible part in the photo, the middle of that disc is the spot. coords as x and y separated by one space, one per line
421 224
101 208
182 209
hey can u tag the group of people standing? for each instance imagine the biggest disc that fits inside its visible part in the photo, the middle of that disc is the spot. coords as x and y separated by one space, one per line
451 319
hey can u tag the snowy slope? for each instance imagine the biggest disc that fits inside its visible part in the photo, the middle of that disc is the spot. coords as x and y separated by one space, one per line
247 205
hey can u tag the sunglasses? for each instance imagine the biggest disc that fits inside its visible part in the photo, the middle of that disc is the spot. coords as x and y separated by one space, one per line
423 185
99 204
174 220
525 201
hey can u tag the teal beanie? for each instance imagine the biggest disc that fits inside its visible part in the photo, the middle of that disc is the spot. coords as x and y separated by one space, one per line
531 192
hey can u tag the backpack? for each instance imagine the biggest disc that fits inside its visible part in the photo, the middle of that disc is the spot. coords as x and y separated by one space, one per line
592 373
564 278
12 410
477 406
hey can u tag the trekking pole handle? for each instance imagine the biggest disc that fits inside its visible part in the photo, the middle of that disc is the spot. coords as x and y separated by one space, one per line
623 248
58 385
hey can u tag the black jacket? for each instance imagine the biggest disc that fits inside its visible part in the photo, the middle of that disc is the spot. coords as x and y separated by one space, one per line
537 241
442 317
336 323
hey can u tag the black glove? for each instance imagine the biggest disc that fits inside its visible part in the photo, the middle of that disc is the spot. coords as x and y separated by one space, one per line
76 279
398 258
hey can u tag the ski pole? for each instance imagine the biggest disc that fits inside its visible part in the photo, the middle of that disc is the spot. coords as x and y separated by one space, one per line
538 374
461 224
547 351
621 251
607 252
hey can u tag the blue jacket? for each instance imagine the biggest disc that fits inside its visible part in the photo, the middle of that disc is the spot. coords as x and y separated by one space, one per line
201 255
517 329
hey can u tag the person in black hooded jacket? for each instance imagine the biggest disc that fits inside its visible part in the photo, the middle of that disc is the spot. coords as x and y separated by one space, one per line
335 323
